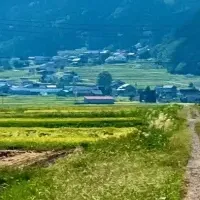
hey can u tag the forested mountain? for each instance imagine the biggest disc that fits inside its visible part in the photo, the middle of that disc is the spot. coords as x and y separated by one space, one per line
182 48
41 27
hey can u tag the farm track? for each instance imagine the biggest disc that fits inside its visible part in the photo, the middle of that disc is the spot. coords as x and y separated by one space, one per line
193 167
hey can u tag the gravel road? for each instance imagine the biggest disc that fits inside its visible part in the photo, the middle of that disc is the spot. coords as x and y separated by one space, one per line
193 168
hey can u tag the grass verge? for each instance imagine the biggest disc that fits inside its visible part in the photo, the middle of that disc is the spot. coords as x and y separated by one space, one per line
109 170
197 128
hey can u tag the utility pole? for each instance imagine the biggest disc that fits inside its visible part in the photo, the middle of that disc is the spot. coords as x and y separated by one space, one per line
76 94
2 98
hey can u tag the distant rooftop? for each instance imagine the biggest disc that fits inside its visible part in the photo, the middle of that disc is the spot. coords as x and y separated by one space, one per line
168 86
99 97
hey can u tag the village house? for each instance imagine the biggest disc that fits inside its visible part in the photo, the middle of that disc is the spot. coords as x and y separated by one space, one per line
86 91
99 100
126 90
16 90
46 72
104 55
25 81
38 60
143 53
60 62
92 53
116 84
147 96
93 57
76 62
40 85
190 95
116 58
48 68
6 81
70 77
166 93
52 79
131 56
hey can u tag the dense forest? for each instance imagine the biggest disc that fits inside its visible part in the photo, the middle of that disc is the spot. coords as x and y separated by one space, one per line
30 27
182 48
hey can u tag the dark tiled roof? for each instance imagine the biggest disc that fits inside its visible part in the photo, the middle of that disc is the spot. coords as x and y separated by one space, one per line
99 98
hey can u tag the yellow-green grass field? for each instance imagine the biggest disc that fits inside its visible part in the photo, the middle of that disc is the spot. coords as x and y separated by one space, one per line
129 153
56 138
64 127
133 73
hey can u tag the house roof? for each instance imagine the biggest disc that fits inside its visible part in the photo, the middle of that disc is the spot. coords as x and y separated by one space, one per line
189 91
3 84
105 52
131 54
99 97
168 86
35 90
51 86
92 52
76 60
124 86
97 92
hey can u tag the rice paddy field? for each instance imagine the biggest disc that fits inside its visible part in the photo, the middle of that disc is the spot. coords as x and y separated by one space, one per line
126 152
145 74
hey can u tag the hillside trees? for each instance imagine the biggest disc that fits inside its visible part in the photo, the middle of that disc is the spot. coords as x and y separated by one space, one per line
31 27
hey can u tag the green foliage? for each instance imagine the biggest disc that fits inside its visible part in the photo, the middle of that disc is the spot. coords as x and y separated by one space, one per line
191 85
153 139
141 162
19 43
95 112
20 64
78 123
104 79
181 68
176 49
148 95
132 167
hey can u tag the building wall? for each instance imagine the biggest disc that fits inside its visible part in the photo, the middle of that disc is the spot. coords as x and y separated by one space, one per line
193 98
99 101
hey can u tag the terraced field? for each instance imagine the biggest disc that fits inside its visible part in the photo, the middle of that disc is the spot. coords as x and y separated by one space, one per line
44 129
94 152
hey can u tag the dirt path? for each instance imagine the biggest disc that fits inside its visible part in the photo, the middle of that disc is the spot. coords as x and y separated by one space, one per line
193 168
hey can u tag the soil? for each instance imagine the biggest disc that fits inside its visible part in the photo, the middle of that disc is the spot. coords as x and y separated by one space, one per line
15 158
193 167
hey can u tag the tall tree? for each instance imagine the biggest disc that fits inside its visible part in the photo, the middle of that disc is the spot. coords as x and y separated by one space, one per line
104 81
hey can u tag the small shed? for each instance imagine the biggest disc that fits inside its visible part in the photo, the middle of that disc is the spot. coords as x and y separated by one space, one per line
99 100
